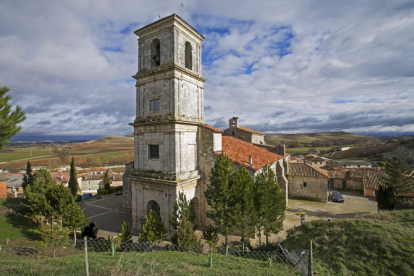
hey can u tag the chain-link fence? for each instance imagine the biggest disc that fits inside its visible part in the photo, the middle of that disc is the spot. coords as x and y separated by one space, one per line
103 257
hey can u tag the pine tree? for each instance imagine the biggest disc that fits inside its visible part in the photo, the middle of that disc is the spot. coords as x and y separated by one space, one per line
210 235
73 182
75 218
55 239
245 218
107 182
153 229
218 196
396 177
36 201
389 198
185 236
272 198
381 198
27 177
59 198
182 208
8 119
125 233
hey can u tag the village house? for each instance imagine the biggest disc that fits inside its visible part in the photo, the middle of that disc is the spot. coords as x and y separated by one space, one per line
352 164
14 184
350 179
93 180
3 185
174 150
307 182
373 179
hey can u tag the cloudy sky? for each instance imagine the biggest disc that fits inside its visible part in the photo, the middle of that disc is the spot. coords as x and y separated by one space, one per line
280 66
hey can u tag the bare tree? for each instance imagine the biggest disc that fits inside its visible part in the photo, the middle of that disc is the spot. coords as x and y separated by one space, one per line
62 153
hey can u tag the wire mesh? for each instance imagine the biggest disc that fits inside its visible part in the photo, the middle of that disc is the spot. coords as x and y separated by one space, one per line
102 257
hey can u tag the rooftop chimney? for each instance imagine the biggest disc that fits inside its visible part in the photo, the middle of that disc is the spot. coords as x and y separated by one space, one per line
250 160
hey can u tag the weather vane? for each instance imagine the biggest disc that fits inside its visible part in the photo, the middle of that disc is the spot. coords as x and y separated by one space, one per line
182 10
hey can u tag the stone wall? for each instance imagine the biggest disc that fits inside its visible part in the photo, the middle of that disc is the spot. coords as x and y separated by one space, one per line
239 134
146 191
209 142
257 139
127 194
316 188
405 202
351 184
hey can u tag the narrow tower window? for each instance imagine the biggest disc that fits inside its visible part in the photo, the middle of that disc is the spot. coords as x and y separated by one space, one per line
154 151
154 105
155 53
188 56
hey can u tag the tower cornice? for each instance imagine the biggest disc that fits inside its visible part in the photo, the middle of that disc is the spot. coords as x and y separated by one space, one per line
172 68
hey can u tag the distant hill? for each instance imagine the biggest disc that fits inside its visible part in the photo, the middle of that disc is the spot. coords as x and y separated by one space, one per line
309 137
129 135
113 138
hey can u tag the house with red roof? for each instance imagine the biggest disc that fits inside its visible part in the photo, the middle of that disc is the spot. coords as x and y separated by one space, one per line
307 182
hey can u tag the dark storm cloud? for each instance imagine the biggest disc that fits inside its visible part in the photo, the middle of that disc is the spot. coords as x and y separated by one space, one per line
276 114
44 123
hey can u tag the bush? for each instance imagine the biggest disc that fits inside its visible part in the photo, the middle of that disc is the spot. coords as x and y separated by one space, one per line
102 192
119 188
112 190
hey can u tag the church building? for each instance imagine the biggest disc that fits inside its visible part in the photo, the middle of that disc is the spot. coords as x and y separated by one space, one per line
174 149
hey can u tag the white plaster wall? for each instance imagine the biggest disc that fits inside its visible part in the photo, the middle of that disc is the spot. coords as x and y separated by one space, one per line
217 142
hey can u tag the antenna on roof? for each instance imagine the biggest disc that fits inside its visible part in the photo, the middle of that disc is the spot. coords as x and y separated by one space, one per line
182 10
159 16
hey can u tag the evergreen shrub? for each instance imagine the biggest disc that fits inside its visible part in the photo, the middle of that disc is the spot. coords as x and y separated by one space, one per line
102 192
112 190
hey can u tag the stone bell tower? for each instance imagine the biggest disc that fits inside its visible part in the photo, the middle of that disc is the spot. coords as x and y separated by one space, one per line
169 101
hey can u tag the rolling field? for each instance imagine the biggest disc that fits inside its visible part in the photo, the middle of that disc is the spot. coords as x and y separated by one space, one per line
41 156
309 137
304 150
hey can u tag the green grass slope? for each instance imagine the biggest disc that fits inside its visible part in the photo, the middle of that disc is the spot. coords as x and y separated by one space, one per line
375 244
14 227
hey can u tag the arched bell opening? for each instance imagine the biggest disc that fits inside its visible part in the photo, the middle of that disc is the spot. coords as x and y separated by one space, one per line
155 53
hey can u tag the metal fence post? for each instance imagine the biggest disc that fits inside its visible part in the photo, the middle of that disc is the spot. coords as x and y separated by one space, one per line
310 272
86 256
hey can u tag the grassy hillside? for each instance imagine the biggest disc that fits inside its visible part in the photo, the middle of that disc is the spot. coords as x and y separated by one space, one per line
375 244
14 227
113 138
309 137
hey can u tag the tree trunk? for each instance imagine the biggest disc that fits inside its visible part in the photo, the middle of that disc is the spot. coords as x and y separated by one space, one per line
260 241
395 203
61 223
54 253
243 243
74 237
267 242
51 223
227 245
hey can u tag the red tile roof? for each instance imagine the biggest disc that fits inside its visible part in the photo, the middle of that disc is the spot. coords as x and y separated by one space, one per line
239 151
306 170
249 130
60 177
215 130
374 178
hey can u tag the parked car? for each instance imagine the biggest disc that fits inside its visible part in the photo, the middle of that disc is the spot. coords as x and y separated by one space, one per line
119 192
86 196
337 197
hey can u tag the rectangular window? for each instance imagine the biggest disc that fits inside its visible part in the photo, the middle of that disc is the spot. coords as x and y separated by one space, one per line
305 184
154 151
154 105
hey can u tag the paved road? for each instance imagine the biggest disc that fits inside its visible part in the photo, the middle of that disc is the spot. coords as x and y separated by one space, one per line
104 212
